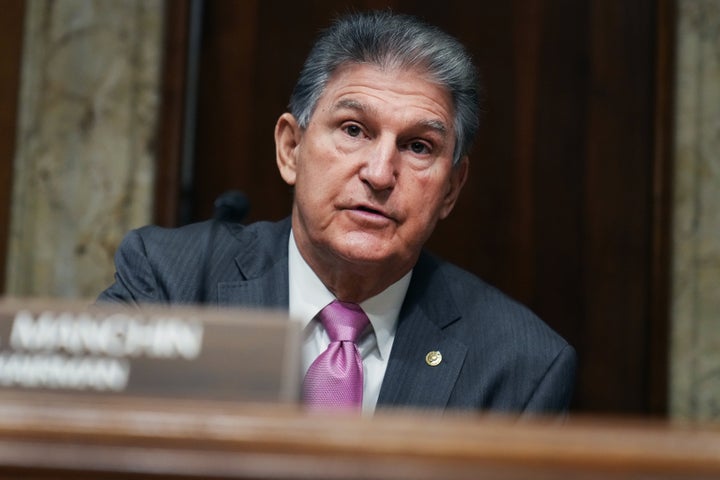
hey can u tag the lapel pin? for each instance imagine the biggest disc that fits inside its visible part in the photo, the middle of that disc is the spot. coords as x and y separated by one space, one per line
433 358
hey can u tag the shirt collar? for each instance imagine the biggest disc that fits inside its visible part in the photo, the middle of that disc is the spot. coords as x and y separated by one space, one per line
308 295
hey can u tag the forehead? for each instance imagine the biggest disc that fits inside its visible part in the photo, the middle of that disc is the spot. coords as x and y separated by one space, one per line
372 88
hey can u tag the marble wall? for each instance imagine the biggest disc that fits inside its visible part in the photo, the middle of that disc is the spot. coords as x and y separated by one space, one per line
695 357
84 162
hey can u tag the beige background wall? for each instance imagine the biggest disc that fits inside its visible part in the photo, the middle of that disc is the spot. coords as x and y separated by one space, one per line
84 166
695 358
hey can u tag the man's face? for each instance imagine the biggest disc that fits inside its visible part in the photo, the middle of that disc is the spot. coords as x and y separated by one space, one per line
373 169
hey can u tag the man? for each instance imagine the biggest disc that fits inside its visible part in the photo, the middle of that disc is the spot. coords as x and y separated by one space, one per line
375 145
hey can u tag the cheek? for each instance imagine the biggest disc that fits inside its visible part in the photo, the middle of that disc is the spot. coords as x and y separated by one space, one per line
316 158
422 211
430 189
317 185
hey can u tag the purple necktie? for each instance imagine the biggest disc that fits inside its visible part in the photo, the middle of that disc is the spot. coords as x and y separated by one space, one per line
335 378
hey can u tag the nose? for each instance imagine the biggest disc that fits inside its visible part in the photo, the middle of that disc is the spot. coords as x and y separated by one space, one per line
379 170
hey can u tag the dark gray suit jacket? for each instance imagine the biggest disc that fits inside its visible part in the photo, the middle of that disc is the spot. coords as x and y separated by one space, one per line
496 354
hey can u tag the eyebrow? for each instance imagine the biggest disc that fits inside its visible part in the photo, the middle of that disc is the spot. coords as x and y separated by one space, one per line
352 104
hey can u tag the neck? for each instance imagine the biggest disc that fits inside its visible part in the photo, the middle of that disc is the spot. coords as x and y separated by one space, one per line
354 288
357 284
352 282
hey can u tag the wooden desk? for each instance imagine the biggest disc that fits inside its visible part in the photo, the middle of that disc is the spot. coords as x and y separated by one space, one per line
49 436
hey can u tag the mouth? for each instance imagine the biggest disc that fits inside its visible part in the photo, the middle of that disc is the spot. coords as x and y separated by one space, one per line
363 208
369 211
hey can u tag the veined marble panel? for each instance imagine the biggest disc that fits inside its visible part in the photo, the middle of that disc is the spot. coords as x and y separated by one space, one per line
695 357
84 164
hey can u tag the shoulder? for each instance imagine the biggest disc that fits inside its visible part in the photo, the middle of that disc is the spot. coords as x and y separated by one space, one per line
487 315
168 241
157 264
465 289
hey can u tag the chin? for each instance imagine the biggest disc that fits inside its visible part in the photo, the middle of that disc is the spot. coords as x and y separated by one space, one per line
369 257
373 256
362 248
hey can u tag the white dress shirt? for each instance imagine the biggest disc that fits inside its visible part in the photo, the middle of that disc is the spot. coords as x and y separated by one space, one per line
308 295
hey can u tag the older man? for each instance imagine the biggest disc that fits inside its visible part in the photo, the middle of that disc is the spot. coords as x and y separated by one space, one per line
375 145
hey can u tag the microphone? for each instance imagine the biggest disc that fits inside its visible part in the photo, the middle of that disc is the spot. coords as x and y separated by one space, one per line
231 206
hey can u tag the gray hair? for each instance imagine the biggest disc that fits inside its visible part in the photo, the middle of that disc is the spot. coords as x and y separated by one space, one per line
393 41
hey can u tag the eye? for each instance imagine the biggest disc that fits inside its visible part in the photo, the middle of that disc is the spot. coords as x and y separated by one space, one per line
419 148
352 129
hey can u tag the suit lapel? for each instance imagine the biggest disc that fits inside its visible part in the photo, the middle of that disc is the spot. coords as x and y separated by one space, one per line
410 378
262 265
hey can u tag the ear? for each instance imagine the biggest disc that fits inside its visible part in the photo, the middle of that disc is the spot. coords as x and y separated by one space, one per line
458 175
287 140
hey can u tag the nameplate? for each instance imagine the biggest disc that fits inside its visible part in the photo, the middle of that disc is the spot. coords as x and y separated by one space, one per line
206 353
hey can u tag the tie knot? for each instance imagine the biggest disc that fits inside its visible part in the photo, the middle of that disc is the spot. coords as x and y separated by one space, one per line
343 321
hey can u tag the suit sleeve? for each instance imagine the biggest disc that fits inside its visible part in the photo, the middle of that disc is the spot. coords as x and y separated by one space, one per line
554 391
135 280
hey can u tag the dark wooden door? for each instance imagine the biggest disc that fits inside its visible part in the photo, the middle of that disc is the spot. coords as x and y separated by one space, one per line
566 205
11 36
